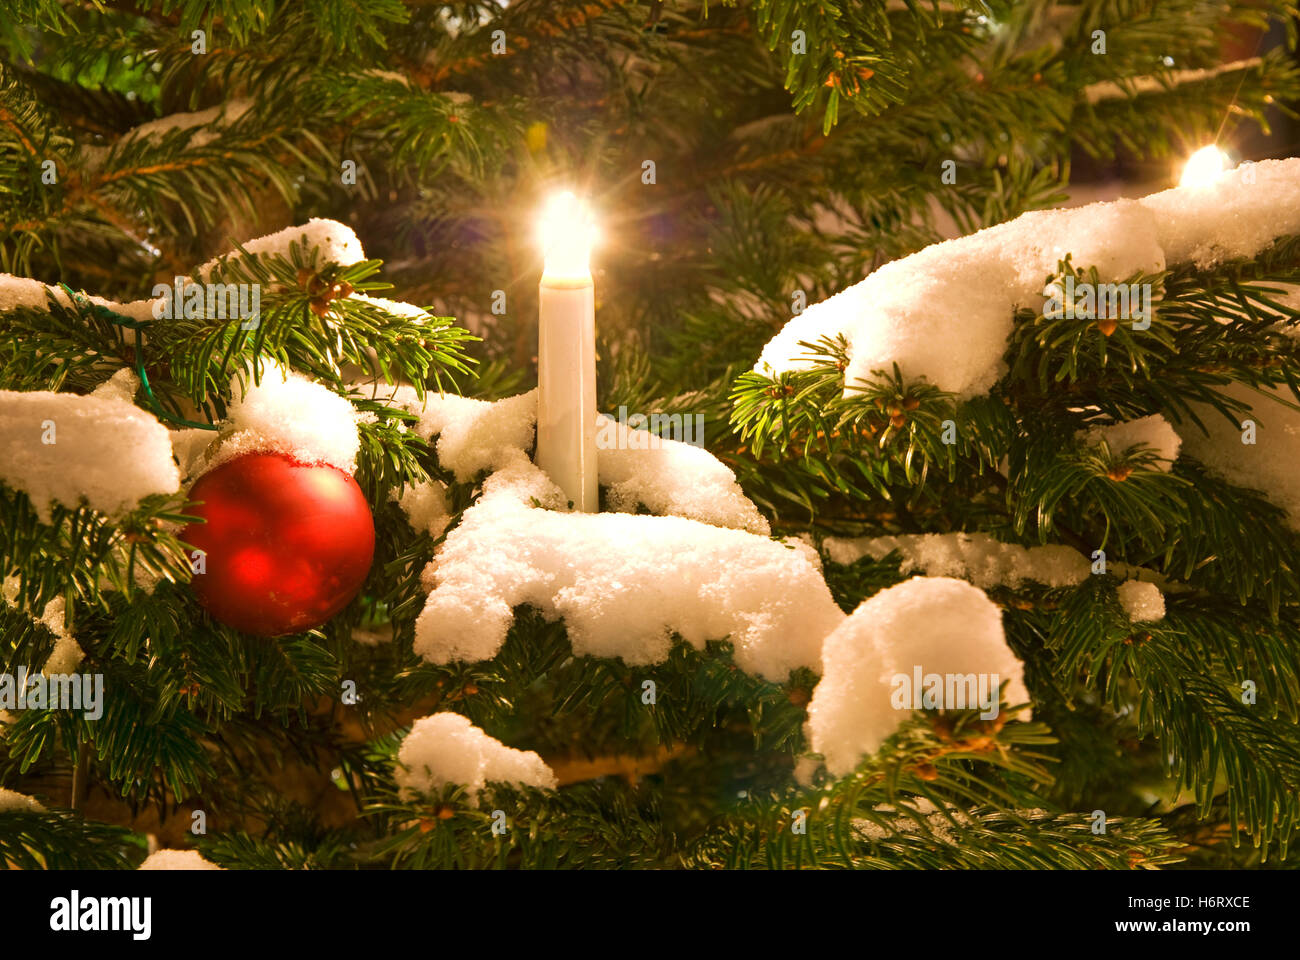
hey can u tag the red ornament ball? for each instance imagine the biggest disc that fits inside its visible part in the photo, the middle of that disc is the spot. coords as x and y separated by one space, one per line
286 544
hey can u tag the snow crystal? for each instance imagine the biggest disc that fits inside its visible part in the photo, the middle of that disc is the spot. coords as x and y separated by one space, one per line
189 447
905 821
671 477
446 748
120 386
1142 601
945 312
53 617
65 658
425 506
67 654
976 557
622 583
335 241
1268 464
177 860
290 414
13 802
941 625
105 450
1154 431
394 306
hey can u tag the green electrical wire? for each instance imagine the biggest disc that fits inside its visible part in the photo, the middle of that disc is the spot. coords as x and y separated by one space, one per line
138 325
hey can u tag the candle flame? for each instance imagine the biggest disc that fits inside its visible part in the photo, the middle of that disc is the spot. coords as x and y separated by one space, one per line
568 234
1204 167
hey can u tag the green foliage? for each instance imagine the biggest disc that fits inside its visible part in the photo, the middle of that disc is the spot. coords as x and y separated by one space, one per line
59 840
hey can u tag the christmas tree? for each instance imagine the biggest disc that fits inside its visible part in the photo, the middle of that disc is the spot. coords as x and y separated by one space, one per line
985 560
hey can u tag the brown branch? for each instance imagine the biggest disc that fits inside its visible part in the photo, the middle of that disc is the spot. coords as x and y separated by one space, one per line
183 164
811 146
577 769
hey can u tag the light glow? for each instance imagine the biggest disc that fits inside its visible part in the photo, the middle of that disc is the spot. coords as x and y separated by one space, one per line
1204 167
568 234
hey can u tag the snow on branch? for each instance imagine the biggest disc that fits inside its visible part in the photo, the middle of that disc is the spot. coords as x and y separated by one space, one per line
67 653
880 663
13 802
24 292
945 312
1153 432
667 476
177 860
446 748
623 584
1259 450
670 477
976 557
336 242
207 123
66 449
473 435
1136 86
290 414
1142 602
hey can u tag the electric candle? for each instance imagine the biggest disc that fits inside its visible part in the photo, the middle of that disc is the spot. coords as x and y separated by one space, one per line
1204 167
566 353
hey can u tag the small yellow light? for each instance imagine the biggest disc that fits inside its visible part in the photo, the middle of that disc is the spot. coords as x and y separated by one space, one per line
568 234
1204 167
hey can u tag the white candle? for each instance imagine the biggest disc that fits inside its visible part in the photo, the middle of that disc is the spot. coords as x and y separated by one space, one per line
566 354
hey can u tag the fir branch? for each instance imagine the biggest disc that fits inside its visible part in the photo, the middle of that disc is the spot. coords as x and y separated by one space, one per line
59 840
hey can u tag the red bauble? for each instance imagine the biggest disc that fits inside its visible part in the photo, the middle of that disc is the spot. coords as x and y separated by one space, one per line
286 544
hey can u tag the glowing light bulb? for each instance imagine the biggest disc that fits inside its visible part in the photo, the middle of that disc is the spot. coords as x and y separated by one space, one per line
568 234
1204 167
